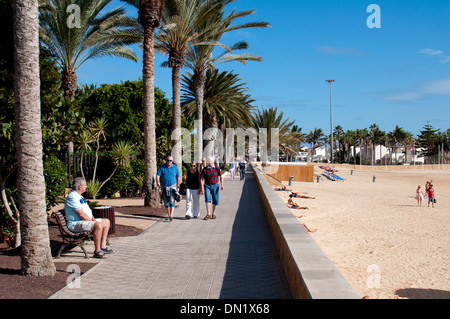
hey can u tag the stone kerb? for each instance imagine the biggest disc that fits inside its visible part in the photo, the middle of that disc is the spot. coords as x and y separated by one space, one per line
310 273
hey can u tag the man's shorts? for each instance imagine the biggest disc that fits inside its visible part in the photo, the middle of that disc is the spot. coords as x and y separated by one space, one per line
212 192
169 201
83 226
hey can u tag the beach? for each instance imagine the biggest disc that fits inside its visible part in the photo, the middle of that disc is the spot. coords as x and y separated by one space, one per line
380 240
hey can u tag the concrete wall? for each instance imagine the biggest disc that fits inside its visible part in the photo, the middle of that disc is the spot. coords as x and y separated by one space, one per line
310 273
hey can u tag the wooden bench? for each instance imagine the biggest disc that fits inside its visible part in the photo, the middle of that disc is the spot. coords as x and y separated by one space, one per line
68 236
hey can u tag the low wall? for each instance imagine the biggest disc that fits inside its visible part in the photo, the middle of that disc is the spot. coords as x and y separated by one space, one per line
282 171
310 273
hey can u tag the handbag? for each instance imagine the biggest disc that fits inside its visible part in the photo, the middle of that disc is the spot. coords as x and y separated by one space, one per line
182 189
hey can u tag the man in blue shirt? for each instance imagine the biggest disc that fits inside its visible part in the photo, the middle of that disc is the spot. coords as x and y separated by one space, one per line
168 178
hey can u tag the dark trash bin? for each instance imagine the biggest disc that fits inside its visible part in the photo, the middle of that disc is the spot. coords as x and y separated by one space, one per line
106 212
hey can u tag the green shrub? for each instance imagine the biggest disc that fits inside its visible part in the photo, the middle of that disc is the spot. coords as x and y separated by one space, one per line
119 182
137 179
55 180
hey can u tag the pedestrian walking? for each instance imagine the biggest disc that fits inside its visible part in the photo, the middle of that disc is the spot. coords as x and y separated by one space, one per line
431 198
242 167
232 169
203 164
192 180
419 196
210 187
168 178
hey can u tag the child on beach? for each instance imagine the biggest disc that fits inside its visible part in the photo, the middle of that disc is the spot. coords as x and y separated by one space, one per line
419 196
430 193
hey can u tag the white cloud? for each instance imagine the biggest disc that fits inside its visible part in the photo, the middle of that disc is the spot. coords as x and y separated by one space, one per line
431 52
404 96
435 87
445 59
438 53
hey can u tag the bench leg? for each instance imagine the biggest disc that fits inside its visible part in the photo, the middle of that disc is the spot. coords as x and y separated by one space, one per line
84 250
60 250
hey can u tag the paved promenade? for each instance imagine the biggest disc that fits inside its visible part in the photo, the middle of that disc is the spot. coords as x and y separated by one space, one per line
231 257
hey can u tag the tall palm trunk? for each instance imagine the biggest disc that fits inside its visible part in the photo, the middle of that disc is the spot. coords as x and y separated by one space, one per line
36 258
150 17
176 117
199 88
210 121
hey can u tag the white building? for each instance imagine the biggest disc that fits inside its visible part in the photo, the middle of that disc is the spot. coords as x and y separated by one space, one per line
382 154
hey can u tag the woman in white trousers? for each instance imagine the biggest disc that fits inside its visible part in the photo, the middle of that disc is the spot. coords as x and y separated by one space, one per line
232 169
192 180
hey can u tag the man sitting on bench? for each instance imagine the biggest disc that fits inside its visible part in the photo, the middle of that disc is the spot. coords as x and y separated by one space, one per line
80 219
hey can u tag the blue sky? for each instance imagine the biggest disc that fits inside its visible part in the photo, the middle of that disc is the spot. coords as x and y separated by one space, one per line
398 74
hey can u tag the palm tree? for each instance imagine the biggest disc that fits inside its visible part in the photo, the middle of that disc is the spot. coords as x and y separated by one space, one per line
199 58
352 140
36 258
405 141
339 135
362 136
225 100
377 137
316 137
181 21
150 12
92 36
270 119
397 136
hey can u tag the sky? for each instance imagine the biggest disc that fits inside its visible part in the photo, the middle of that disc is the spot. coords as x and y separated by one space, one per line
394 74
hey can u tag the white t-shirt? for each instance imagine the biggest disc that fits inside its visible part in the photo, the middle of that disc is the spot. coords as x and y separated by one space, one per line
75 201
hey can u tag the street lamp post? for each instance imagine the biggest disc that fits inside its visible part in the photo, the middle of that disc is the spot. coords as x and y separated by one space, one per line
331 120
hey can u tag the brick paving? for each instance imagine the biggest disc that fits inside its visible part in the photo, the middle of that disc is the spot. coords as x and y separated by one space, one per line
231 257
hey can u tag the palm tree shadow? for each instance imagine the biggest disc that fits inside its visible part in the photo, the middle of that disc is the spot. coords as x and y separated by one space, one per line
423 293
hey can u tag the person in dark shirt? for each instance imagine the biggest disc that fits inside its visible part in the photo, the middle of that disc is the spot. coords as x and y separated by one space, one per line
192 180
242 167
210 187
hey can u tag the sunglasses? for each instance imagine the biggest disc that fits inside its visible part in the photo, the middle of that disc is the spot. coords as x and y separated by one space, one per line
193 165
169 160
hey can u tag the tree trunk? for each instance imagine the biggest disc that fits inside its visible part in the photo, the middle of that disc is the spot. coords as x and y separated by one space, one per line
210 121
69 83
36 258
176 118
199 87
149 118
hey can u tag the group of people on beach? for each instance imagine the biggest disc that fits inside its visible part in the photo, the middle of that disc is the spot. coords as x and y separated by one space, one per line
429 193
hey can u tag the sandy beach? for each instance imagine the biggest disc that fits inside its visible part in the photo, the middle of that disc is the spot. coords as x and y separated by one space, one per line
383 243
